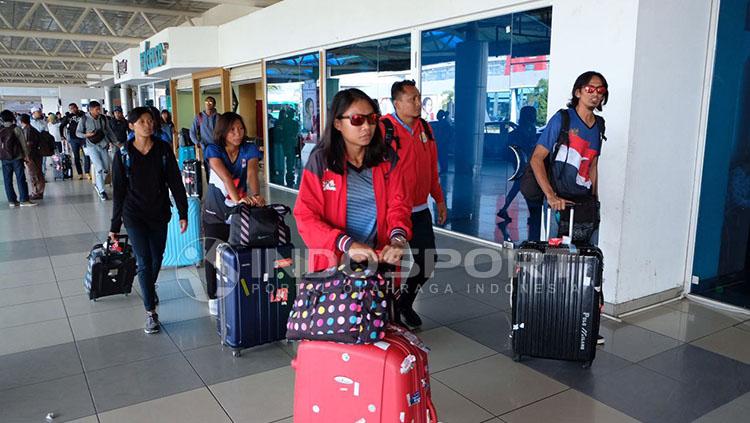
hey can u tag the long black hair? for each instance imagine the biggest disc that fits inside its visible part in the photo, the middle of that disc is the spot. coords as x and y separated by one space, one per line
583 80
332 143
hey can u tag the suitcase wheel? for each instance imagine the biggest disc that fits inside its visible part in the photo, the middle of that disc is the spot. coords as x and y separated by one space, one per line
94 300
236 352
516 357
586 365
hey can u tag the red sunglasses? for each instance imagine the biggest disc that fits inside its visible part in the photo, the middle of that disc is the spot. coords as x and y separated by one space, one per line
359 120
590 89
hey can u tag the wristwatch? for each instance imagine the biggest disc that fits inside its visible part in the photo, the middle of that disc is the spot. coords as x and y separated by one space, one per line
399 239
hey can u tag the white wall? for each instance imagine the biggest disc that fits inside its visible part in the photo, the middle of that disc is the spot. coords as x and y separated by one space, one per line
189 47
75 94
664 133
49 105
296 25
608 46
221 14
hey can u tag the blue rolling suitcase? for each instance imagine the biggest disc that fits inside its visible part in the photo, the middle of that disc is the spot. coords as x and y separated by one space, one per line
184 249
256 289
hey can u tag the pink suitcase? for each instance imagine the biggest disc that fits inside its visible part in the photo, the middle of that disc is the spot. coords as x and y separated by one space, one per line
384 382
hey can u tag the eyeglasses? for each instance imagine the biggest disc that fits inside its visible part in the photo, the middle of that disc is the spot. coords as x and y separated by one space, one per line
359 120
591 89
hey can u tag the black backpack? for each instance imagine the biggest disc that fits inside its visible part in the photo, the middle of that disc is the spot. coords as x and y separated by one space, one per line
46 144
10 145
530 189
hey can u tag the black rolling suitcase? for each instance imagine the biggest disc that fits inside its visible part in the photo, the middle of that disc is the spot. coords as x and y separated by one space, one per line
556 301
256 288
192 178
111 269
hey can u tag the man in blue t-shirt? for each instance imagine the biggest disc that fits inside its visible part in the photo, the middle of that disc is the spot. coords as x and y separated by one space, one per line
574 169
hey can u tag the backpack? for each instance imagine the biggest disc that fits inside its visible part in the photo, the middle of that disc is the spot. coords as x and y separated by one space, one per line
73 126
46 144
390 132
530 189
10 145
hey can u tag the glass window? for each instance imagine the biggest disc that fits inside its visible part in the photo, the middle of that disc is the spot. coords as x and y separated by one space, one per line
484 89
722 248
293 93
371 66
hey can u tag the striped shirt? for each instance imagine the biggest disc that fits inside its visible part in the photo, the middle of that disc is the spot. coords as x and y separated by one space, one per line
361 222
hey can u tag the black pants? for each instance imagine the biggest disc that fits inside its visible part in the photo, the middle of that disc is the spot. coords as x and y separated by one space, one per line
149 242
422 246
213 234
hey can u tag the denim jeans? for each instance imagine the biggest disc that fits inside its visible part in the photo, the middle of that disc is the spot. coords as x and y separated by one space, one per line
149 242
76 144
100 159
9 168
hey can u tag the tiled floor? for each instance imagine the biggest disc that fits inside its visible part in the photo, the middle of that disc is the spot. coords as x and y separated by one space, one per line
91 362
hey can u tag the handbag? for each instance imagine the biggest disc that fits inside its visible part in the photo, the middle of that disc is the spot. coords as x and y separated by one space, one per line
341 306
259 226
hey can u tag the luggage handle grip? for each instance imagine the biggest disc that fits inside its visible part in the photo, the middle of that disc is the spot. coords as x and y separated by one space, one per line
546 224
119 237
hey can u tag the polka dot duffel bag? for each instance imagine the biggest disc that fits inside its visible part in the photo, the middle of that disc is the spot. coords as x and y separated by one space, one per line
340 305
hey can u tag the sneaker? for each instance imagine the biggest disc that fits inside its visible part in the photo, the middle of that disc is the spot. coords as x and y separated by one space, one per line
213 307
410 318
103 196
27 204
599 340
80 177
14 204
152 323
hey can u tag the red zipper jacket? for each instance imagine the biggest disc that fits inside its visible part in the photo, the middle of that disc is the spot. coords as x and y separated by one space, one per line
320 209
417 160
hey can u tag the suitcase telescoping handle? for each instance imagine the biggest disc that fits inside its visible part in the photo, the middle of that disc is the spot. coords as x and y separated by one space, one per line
120 237
546 222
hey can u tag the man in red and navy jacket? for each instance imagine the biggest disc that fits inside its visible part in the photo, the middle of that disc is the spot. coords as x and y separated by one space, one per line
411 137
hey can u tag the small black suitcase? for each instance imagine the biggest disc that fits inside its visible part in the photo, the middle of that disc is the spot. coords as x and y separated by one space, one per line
111 269
63 166
556 302
192 178
256 289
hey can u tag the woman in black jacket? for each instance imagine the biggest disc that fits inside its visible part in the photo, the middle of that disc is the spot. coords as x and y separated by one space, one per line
143 173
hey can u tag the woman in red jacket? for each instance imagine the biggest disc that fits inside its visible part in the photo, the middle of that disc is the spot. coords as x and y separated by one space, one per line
348 173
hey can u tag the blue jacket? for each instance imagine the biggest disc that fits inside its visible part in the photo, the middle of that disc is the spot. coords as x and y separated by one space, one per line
202 131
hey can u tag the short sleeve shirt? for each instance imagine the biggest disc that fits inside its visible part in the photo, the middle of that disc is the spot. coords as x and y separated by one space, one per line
573 162
238 168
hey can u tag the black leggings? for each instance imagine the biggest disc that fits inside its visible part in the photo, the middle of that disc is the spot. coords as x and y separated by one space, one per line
213 235
422 244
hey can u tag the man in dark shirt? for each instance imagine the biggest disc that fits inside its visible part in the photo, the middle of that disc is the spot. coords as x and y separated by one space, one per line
119 126
68 128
